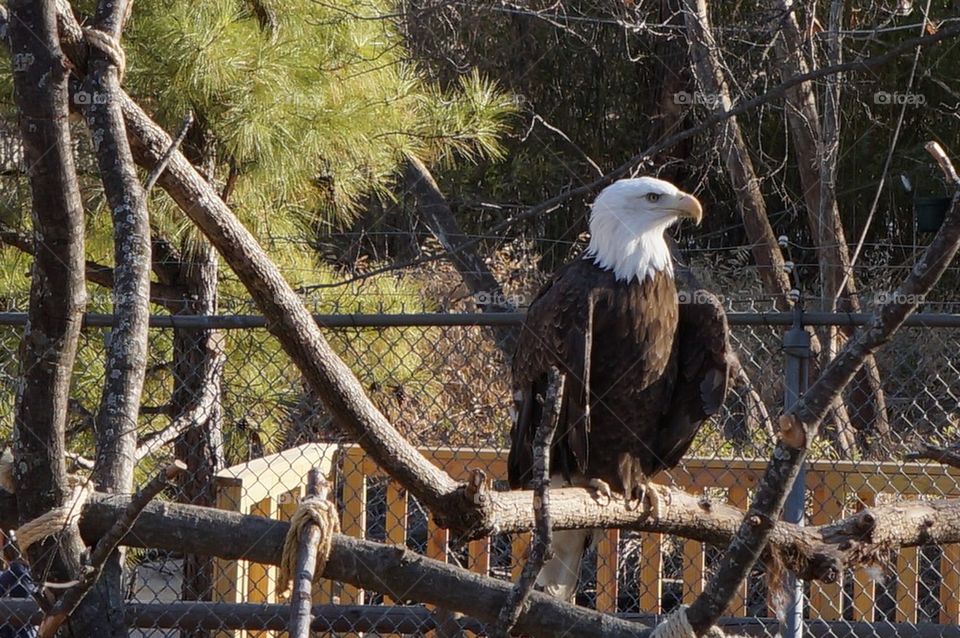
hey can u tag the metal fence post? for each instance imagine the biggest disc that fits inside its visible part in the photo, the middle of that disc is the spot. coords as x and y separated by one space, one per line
796 350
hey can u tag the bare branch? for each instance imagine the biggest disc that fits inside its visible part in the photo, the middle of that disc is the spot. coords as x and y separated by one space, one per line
203 407
170 297
161 166
800 425
935 453
543 536
301 599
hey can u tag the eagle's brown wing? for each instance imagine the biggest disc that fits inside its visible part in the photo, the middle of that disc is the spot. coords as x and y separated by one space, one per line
554 334
702 375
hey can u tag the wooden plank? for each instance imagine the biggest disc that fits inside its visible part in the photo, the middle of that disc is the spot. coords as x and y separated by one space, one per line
864 587
229 576
738 496
436 545
480 556
261 579
826 599
908 570
354 519
396 514
693 565
396 522
950 585
260 477
519 545
437 542
608 554
650 586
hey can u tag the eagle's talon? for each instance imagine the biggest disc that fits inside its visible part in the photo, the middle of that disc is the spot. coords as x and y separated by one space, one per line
654 500
601 488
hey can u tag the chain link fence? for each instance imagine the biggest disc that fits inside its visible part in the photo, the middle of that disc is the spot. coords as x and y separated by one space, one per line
222 396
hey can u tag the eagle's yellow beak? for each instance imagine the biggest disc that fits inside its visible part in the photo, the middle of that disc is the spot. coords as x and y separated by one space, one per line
689 206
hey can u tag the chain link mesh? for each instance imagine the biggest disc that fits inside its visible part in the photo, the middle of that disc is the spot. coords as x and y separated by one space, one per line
251 442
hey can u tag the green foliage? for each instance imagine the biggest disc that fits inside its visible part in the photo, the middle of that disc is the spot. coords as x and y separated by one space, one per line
312 111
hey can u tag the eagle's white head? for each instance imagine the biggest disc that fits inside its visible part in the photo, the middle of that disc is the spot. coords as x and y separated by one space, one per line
627 223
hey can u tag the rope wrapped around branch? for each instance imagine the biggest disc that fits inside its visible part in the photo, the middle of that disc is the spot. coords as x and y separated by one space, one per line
109 46
48 523
676 624
54 521
320 512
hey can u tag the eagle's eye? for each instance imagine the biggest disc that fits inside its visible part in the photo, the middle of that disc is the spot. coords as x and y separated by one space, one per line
653 197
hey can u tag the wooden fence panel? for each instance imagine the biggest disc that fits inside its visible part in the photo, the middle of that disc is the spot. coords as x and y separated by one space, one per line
864 586
651 573
739 497
908 570
831 484
608 555
826 599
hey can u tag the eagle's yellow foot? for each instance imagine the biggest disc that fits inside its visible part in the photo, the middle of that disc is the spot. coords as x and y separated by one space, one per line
601 488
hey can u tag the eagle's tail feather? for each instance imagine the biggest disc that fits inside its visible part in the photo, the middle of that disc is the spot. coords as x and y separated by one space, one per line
561 573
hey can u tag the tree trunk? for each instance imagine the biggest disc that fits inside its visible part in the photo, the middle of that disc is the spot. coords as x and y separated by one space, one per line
116 424
816 153
57 294
198 360
476 275
708 69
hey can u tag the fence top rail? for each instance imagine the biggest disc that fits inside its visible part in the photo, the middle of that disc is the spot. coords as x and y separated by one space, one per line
443 454
424 319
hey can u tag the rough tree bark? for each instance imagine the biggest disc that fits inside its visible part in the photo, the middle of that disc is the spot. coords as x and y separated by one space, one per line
116 424
815 147
57 295
861 539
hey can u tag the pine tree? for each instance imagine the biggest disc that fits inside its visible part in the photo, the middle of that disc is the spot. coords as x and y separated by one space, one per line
302 111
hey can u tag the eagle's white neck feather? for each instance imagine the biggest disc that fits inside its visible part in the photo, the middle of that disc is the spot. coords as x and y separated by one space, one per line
626 229
630 254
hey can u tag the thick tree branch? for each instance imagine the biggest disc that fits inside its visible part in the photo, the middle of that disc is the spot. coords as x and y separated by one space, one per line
707 64
943 455
861 539
57 295
800 425
288 319
476 275
118 415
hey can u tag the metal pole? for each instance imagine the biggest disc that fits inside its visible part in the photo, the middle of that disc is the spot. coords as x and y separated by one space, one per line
796 350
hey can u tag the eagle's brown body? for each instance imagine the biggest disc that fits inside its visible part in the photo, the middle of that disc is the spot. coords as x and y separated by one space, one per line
644 365
657 370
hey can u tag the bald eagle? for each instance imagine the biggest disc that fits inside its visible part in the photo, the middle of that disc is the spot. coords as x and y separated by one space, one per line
645 365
